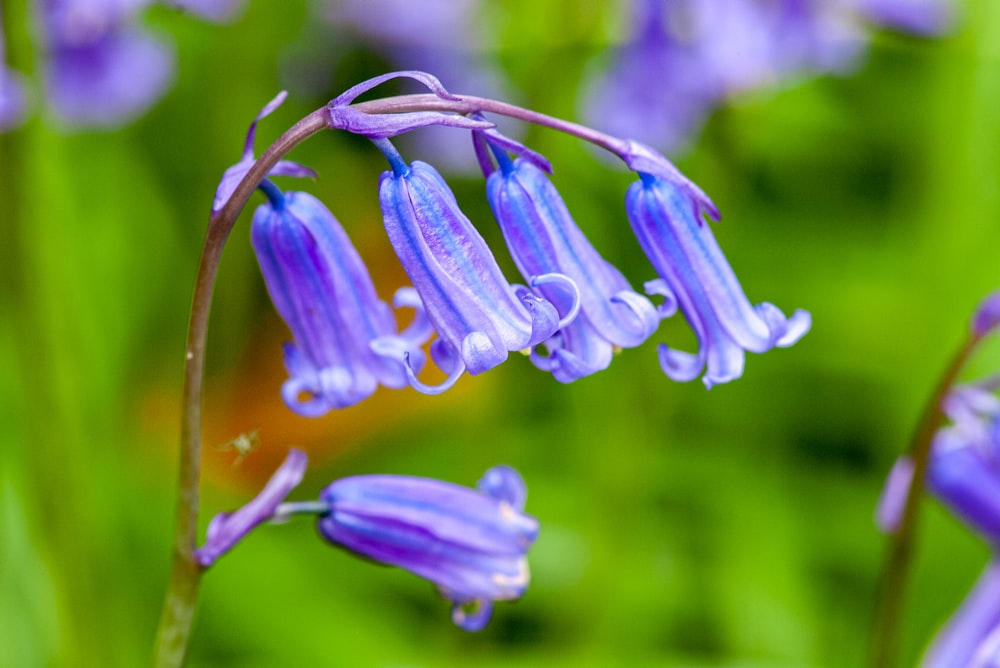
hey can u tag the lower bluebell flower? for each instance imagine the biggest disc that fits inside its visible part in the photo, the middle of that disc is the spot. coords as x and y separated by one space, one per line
471 544
321 288
543 239
478 315
695 277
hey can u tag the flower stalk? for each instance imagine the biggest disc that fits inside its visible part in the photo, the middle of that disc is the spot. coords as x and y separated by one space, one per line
892 589
182 592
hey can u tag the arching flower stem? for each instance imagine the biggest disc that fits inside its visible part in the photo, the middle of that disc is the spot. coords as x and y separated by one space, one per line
185 577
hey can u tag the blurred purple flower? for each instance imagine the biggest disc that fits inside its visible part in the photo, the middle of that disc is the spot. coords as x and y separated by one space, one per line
12 99
227 529
478 316
12 94
965 642
543 238
471 544
101 67
987 316
654 88
964 467
321 288
685 57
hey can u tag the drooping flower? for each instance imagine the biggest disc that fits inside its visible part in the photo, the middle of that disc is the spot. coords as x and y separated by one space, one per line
666 213
963 470
471 544
543 239
227 529
478 315
323 291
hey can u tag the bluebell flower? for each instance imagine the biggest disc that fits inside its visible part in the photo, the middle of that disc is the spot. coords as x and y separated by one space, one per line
478 315
963 470
321 288
227 529
543 239
471 544
666 211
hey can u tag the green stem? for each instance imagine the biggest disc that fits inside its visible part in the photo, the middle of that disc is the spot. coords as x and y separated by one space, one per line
182 593
885 638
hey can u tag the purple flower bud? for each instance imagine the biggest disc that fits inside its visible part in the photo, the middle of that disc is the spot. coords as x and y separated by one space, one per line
321 288
970 638
987 316
892 503
695 276
471 544
227 529
544 239
478 316
380 126
231 179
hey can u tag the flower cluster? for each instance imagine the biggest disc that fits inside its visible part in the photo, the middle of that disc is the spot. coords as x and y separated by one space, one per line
685 57
963 472
572 313
471 544
100 66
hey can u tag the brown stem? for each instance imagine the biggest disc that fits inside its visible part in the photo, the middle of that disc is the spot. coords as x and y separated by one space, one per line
885 637
182 592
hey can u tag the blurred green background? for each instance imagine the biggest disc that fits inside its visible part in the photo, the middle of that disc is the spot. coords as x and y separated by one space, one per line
679 527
